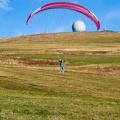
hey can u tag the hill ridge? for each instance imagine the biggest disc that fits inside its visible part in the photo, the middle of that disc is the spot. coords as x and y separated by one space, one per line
60 36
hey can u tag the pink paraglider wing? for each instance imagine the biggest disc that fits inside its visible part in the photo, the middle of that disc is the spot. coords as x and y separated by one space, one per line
67 5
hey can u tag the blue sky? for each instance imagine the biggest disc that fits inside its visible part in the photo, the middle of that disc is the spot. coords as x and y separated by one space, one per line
13 15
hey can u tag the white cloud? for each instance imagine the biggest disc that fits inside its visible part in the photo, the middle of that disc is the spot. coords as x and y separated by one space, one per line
61 29
75 1
112 15
4 4
18 33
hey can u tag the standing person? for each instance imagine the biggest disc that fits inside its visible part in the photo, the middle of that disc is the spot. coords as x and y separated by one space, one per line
61 65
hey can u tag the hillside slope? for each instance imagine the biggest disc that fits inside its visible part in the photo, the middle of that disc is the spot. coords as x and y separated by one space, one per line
84 37
32 88
74 41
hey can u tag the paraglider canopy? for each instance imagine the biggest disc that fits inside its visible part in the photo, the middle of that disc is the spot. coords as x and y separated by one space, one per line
67 5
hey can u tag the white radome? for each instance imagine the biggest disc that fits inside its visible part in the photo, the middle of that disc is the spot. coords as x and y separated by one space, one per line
78 26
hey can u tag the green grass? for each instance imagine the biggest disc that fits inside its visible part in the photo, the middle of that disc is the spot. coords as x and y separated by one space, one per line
2 58
45 107
32 93
89 89
85 59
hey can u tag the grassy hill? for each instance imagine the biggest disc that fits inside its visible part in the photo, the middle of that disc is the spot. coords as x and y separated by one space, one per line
32 88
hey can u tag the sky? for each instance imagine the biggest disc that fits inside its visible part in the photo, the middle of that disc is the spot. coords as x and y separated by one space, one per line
14 13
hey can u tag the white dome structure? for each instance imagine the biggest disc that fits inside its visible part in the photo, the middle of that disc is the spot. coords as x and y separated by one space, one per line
78 26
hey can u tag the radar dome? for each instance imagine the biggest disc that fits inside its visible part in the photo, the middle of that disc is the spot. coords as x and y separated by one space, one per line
78 26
